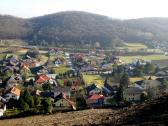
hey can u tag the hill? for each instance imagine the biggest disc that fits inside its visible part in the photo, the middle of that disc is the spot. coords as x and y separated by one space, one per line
75 27
14 28
149 113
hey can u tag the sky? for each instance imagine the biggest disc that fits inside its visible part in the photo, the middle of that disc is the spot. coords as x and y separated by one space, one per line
121 9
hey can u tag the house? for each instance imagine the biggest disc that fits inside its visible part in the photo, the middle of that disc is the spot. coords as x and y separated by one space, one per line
132 94
96 100
62 102
93 89
31 63
13 93
149 84
152 87
13 61
161 73
14 80
66 90
24 68
109 90
42 79
60 61
52 80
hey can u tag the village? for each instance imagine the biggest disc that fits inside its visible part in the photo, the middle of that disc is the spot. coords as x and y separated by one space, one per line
54 80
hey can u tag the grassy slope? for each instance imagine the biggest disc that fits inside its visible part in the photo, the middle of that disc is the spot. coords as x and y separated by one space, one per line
90 79
149 113
129 59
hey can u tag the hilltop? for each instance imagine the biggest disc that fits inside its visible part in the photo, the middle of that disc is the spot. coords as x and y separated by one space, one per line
75 27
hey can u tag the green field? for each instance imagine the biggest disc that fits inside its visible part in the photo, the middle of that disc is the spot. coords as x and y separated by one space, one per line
129 59
60 69
132 46
90 79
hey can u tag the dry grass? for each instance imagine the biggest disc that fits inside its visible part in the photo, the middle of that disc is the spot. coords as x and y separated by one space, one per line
60 119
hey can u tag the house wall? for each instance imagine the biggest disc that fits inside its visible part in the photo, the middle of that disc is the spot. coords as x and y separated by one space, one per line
11 95
62 103
94 91
132 97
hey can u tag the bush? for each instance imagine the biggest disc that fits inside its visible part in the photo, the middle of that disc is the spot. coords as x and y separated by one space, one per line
80 102
47 105
25 106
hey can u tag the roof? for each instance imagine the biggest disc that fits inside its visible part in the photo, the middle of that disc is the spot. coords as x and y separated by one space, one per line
63 96
24 67
42 79
29 63
152 83
133 90
15 91
96 97
91 87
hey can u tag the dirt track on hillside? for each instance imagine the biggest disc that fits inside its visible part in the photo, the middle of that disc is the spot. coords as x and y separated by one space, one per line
84 117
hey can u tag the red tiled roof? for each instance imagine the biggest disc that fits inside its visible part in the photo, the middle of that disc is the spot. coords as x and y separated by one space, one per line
42 79
96 97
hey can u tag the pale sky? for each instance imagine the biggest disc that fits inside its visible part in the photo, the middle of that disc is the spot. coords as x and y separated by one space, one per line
122 9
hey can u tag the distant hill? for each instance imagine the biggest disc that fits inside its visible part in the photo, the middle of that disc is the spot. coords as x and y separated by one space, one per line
74 27
14 28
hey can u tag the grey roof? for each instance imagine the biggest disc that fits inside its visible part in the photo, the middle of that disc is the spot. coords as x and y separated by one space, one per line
152 83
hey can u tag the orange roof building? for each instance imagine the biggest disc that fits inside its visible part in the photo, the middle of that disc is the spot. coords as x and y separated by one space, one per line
15 91
42 79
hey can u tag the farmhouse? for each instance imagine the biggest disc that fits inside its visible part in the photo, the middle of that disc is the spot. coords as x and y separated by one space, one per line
96 100
132 94
62 102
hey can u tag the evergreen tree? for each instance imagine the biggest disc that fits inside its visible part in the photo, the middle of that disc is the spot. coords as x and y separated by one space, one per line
124 81
47 86
47 105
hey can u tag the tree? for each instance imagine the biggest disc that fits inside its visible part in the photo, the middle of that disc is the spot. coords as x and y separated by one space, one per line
149 68
33 53
164 85
124 81
80 102
25 106
112 101
37 101
47 105
47 86
144 97
12 103
138 72
119 95
27 98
